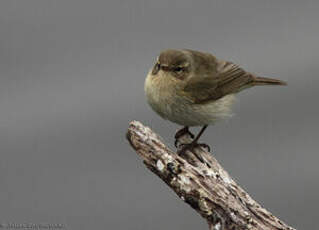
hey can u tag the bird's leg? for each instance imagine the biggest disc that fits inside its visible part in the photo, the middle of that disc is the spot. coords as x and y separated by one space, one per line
181 133
195 144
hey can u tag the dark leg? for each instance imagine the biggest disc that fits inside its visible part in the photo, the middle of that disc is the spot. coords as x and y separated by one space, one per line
182 132
199 134
195 144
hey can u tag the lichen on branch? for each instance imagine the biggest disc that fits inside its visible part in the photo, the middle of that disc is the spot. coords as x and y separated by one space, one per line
205 186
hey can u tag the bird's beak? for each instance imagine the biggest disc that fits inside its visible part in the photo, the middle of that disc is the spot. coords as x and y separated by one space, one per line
156 68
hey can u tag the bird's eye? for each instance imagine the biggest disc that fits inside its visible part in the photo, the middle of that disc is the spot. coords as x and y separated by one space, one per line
178 69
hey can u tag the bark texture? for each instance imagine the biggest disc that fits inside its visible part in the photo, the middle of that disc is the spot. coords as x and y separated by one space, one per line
206 187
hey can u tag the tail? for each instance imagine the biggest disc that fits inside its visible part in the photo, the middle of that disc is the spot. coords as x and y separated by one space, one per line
267 81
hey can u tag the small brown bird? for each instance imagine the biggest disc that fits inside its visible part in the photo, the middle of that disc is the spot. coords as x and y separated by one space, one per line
193 88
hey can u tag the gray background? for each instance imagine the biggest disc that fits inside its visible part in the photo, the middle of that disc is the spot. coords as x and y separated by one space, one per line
71 79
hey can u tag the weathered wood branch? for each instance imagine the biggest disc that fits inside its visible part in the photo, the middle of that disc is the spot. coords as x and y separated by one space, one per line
206 187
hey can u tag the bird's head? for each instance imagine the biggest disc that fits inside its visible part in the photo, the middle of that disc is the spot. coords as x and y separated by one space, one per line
173 63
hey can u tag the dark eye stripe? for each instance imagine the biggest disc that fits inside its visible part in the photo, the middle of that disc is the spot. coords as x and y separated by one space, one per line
157 67
165 68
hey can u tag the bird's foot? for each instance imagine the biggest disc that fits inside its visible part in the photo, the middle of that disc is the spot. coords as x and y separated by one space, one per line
191 147
181 133
203 145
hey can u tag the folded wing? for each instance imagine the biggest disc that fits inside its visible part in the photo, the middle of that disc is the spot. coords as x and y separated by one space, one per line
223 79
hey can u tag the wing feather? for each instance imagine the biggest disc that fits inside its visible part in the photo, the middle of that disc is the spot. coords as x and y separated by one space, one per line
225 78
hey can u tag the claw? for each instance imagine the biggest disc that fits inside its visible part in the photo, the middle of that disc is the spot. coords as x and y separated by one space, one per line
175 143
181 133
203 145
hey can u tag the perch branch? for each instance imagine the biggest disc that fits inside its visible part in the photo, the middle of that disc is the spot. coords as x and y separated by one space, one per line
206 187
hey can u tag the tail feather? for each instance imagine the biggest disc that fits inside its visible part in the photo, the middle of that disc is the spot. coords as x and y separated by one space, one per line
267 81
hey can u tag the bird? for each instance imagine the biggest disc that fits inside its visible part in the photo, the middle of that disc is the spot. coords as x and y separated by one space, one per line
194 88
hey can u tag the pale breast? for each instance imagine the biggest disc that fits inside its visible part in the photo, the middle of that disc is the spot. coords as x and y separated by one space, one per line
169 105
159 96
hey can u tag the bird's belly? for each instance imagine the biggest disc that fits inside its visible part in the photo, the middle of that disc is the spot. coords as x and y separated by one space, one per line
183 112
